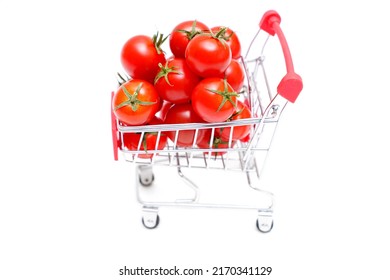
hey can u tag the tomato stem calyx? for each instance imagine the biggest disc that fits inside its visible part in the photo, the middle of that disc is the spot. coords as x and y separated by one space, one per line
217 141
226 95
222 34
132 99
164 71
191 34
158 40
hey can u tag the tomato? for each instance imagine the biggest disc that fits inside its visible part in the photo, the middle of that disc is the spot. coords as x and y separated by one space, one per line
183 113
231 39
235 75
175 81
214 100
165 106
216 143
246 138
208 55
183 33
136 102
141 55
133 141
239 132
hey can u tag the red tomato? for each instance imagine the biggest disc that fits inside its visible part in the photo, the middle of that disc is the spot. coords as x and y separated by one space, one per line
216 143
175 81
141 55
235 75
165 106
133 141
135 102
246 138
231 39
239 132
183 33
214 100
208 55
183 113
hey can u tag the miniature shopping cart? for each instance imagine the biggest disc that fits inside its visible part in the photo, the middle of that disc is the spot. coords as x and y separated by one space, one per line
246 158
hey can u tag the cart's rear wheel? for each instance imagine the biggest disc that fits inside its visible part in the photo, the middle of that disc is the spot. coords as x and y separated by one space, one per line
145 175
146 181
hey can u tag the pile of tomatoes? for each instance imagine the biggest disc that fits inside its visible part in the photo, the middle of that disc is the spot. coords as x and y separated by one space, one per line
199 83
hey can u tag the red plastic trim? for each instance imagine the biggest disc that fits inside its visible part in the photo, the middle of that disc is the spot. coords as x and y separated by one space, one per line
114 130
291 84
266 22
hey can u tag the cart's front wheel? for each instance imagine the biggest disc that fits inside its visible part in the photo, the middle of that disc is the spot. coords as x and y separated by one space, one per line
150 217
264 222
264 228
151 223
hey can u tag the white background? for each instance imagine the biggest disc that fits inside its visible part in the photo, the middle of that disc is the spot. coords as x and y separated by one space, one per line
68 210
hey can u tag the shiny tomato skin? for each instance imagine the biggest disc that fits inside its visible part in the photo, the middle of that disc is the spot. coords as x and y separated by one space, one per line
165 106
235 75
239 132
176 87
132 140
183 113
246 138
142 114
207 103
208 56
140 58
233 41
178 40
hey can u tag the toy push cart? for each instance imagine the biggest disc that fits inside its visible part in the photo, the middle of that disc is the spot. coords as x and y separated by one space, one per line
246 158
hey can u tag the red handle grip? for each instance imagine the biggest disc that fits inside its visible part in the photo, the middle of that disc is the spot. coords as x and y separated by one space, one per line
291 84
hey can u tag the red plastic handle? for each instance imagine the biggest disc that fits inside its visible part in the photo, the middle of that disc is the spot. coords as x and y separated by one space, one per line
291 84
114 131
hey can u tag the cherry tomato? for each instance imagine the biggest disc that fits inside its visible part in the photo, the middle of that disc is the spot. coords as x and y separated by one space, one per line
217 142
165 106
175 81
214 100
183 113
141 55
246 138
208 55
235 75
133 141
239 132
136 102
183 33
231 39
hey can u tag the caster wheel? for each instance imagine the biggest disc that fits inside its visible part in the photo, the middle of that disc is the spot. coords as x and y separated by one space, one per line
265 225
145 175
146 181
151 223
